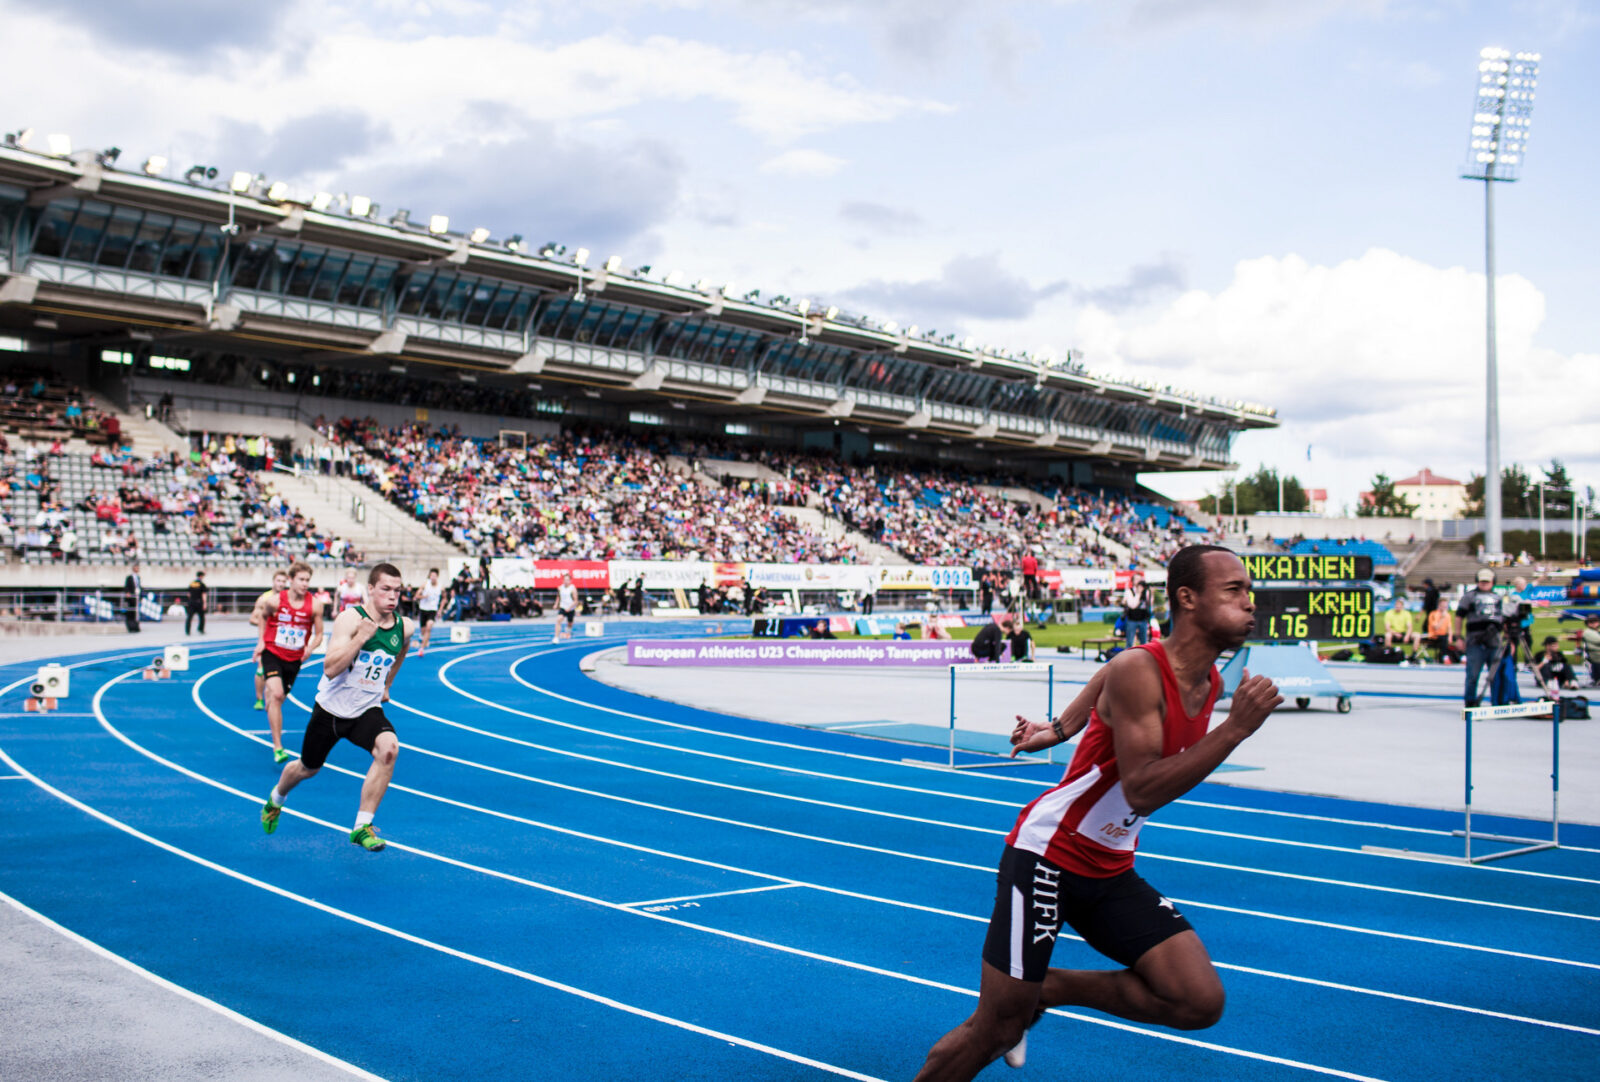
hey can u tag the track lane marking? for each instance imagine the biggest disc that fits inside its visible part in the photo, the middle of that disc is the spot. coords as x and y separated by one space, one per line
715 894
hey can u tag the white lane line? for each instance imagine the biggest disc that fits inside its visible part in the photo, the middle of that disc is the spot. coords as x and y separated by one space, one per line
41 715
1147 854
785 949
1109 1023
13 777
554 985
1156 824
1245 810
193 997
714 894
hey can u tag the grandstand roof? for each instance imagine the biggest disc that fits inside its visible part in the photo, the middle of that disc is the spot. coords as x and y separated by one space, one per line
101 257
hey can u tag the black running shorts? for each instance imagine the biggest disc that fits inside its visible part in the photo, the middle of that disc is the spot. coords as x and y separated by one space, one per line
273 665
1121 917
324 730
426 616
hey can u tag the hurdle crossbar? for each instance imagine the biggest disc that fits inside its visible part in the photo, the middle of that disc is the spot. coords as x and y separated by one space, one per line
1527 845
1002 666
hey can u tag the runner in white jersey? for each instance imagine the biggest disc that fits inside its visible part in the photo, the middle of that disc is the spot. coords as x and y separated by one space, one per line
348 594
566 607
428 599
365 652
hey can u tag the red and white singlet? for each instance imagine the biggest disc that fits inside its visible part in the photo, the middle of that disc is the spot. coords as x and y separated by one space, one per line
1085 824
350 595
287 630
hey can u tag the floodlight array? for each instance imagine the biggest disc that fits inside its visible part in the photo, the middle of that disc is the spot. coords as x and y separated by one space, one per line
1502 114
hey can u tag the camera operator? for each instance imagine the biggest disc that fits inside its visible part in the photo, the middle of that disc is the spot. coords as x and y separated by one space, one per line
1484 618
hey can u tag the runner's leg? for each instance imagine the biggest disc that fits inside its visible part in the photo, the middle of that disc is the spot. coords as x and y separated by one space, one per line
384 750
1172 984
1006 1006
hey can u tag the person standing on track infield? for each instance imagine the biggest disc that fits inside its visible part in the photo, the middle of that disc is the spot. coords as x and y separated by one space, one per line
566 607
291 628
428 599
365 652
1070 856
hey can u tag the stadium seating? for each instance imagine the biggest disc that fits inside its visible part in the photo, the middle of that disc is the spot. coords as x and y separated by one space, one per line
1381 556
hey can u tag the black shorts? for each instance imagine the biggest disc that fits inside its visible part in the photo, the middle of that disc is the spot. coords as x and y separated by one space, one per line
324 730
1121 917
568 615
426 616
273 665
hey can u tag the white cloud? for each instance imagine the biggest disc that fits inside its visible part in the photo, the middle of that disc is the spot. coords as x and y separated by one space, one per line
1377 362
803 162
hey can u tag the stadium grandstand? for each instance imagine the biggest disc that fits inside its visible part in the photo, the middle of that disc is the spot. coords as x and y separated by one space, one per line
204 367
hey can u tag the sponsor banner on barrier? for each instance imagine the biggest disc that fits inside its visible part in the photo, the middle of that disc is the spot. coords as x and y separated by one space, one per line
666 574
719 653
518 571
1543 594
926 578
884 623
813 576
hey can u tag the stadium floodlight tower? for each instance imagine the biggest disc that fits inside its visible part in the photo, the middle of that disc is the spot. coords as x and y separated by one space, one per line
1500 121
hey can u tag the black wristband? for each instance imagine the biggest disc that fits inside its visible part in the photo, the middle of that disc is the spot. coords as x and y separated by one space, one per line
1055 727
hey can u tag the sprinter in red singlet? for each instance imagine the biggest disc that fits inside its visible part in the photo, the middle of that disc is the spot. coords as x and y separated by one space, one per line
1069 859
291 628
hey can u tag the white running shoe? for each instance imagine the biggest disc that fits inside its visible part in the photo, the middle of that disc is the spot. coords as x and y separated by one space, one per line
1018 1055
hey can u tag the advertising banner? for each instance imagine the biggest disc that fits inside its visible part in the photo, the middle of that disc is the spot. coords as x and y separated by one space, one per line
926 578
812 576
665 574
508 571
689 653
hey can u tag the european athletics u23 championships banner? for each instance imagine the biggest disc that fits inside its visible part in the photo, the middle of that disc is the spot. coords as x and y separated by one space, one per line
723 653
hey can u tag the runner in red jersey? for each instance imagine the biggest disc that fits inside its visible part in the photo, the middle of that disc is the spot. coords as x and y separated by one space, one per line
1069 859
291 628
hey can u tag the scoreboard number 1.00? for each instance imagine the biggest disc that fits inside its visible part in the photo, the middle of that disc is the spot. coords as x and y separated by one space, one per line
1315 612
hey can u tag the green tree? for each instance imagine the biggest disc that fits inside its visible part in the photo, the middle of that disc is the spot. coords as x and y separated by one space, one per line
1257 494
1516 499
1384 502
1559 491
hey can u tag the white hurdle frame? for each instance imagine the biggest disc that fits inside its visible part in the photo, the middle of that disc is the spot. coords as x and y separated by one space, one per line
1006 666
1530 845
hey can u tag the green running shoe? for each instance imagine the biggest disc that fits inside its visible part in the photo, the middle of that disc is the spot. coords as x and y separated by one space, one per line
269 816
367 838
281 755
260 705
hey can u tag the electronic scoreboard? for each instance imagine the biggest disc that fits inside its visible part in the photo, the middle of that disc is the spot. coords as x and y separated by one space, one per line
1308 568
1313 612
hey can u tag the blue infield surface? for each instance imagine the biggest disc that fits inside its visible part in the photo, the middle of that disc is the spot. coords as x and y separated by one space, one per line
586 883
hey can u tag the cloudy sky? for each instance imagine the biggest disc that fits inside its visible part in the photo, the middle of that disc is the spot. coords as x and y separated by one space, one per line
1253 198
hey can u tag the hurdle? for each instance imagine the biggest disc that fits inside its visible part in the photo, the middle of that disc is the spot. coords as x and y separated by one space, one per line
1001 667
1527 845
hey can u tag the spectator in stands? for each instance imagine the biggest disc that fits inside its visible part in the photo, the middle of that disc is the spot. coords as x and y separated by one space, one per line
1552 668
1030 575
1398 626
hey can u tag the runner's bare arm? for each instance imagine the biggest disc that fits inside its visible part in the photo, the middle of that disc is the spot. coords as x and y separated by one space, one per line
350 631
258 612
316 629
1038 735
1133 706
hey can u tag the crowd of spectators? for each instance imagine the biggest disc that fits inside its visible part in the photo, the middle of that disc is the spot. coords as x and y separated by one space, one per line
580 496
34 405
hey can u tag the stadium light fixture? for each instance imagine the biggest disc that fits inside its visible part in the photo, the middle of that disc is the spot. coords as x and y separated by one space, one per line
60 145
109 156
361 207
439 223
196 173
240 182
613 264
154 165
278 191
321 201
673 278
832 312
478 235
1502 113
401 217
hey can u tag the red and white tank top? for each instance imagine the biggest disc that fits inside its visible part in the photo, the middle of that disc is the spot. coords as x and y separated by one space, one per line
287 630
1085 824
350 595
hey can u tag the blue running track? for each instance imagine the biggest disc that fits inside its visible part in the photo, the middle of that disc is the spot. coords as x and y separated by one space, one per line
584 883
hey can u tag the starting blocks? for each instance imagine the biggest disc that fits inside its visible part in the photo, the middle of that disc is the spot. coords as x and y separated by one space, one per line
157 670
37 705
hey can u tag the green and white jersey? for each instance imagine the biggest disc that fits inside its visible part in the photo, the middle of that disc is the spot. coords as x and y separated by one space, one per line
360 687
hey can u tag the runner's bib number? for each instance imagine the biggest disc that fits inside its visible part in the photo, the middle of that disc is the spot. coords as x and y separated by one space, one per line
372 668
290 637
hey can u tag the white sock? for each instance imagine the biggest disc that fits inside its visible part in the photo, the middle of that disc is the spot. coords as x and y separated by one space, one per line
275 797
363 819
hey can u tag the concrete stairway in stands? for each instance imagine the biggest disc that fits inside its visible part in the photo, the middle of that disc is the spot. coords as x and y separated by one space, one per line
387 533
1447 563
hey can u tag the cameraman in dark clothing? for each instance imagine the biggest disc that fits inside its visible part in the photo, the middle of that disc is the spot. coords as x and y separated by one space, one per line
1482 616
986 644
